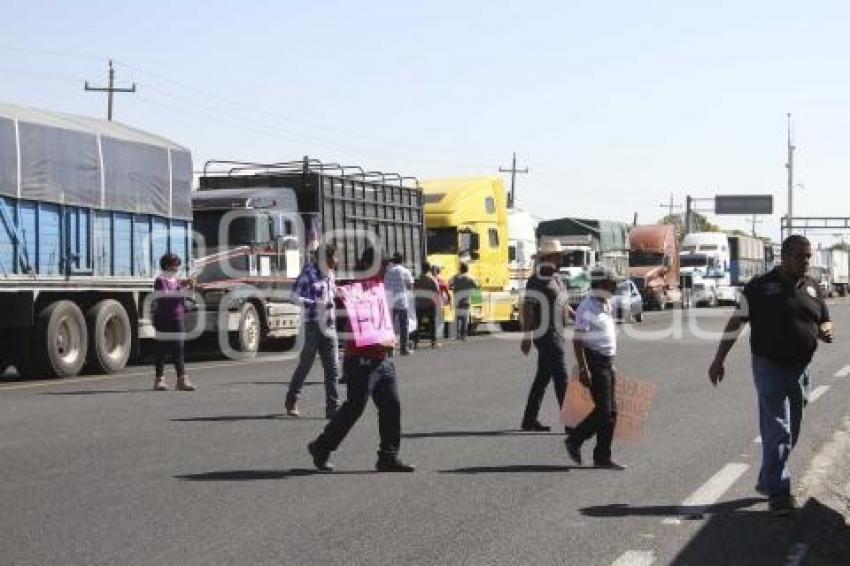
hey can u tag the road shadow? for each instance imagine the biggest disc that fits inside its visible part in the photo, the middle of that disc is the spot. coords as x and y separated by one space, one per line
515 469
816 535
689 513
466 433
236 418
255 475
98 392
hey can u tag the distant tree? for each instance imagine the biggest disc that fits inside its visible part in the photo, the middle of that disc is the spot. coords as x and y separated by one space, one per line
841 246
699 223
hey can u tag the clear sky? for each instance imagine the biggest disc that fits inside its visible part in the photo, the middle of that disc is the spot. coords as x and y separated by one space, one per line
612 105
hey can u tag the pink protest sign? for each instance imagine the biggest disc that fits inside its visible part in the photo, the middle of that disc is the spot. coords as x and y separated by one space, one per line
634 400
367 309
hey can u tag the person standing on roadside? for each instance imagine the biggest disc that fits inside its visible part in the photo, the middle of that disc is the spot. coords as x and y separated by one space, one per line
428 306
169 321
369 373
787 316
595 345
399 282
316 290
463 286
545 310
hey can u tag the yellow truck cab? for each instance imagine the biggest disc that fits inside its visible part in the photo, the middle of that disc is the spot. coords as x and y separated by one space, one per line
467 220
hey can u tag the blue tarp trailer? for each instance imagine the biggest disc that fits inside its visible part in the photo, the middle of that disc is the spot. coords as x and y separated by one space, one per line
87 208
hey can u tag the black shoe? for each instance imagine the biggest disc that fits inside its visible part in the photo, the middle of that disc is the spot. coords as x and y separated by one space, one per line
783 506
573 451
320 459
394 465
535 426
609 465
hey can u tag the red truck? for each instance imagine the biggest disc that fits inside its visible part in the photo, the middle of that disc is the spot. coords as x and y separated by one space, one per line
654 264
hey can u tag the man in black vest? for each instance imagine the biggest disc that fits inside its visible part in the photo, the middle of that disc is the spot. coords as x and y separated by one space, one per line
544 312
787 313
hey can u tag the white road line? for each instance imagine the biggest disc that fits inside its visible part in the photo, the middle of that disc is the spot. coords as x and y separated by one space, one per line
635 558
72 381
710 491
843 372
818 392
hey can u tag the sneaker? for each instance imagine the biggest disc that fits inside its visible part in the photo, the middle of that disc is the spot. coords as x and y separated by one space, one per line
320 459
609 465
535 426
159 385
783 506
292 409
436 345
393 465
406 352
761 490
573 451
183 384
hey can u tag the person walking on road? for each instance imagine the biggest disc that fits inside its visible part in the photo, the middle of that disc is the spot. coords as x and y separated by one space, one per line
544 314
169 321
369 373
787 316
428 307
399 282
316 291
595 345
463 285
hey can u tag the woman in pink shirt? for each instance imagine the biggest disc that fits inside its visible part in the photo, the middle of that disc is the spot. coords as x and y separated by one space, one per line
169 320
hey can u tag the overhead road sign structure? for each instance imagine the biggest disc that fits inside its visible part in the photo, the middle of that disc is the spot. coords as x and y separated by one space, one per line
743 204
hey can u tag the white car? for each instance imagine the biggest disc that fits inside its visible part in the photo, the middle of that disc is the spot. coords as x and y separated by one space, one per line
704 293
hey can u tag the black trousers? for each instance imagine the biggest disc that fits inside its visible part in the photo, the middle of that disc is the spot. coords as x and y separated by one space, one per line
428 324
551 365
170 346
367 378
603 419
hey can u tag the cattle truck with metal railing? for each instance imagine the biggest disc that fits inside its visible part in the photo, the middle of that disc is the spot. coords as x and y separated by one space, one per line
258 222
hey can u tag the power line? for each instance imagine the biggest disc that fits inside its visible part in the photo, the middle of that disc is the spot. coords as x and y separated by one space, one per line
110 90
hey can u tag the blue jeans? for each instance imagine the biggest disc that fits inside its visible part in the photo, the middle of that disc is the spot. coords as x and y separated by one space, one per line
781 392
401 325
327 345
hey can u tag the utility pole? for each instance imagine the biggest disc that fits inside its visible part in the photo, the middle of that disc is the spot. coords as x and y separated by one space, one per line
110 90
688 205
513 171
790 167
670 207
755 221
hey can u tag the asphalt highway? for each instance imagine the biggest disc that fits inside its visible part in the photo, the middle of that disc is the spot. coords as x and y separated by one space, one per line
102 470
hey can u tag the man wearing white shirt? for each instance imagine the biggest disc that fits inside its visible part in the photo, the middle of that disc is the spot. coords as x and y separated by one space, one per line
595 344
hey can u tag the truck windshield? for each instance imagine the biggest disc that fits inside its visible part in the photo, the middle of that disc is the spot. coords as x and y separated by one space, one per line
241 230
693 261
442 241
573 259
645 259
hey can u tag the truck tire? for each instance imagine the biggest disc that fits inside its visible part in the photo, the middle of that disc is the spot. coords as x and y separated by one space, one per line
59 343
842 291
110 336
639 317
247 339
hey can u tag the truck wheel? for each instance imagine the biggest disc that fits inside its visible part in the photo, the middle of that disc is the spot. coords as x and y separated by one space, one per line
249 335
842 292
110 336
639 317
59 342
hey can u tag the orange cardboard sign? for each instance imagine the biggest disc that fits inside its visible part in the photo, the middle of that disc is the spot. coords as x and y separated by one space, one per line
634 400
